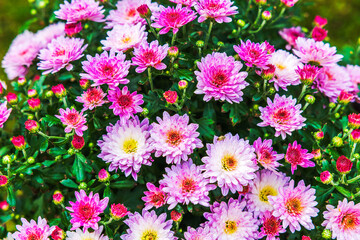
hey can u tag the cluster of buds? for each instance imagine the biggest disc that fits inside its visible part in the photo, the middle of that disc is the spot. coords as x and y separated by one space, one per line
319 33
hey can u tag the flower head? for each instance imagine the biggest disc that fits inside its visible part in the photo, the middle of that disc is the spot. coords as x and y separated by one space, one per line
219 77
354 120
231 162
318 33
93 97
307 73
86 235
271 226
58 234
33 230
219 10
80 10
4 114
86 210
19 142
155 197
174 138
3 180
265 154
253 53
200 233
343 164
47 34
73 120
118 211
290 35
170 96
295 155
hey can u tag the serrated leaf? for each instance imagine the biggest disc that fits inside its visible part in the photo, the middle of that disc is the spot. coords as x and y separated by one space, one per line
69 183
236 111
51 120
205 127
81 157
184 74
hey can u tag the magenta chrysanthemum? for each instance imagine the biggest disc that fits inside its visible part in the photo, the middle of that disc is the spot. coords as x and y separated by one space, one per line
265 154
84 235
107 68
46 35
231 162
189 3
295 155
73 120
80 10
200 233
124 37
253 53
126 146
93 97
220 78
155 197
86 210
60 53
318 53
184 183
124 103
295 206
149 55
4 114
219 10
174 138
343 221
148 226
283 114
172 18
32 230
231 221
290 35
271 227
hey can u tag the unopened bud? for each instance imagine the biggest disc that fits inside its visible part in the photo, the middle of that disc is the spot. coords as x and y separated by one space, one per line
310 99
337 141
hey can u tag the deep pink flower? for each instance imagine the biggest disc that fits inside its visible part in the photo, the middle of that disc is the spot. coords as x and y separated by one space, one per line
253 53
307 73
73 28
73 120
265 154
107 68
155 197
86 210
354 120
3 180
219 10
219 77
80 10
170 96
271 227
32 126
124 103
144 11
149 55
93 97
319 21
172 18
60 53
290 35
19 142
118 211
59 90
343 164
32 230
318 33
4 114
295 155
289 3
78 142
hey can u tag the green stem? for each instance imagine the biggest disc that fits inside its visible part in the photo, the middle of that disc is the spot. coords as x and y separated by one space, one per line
258 15
248 7
261 27
353 151
354 179
306 105
208 34
303 91
152 29
279 16
24 153
343 179
65 103
337 108
150 79
264 86
49 137
173 39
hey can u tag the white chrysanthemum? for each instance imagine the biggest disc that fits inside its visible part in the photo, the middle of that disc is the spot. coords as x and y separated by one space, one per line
80 235
231 162
267 183
285 65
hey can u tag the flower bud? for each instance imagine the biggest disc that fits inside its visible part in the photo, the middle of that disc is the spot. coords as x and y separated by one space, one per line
326 177
240 23
183 84
4 205
319 34
3 180
36 78
345 97
58 234
84 83
319 135
355 136
72 28
6 159
32 126
307 74
78 142
118 211
326 234
71 151
317 154
357 156
103 175
332 105
343 164
33 11
268 74
19 142
173 51
176 216
220 44
200 43
305 238
59 90
30 160
260 2
34 104
272 90
82 185
12 98
21 81
319 21
145 112
58 198
49 94
32 93
337 141
266 15
144 11
354 120
170 96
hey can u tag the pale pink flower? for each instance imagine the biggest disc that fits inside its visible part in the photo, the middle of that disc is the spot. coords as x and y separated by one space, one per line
200 233
47 34
295 206
149 55
73 121
290 35
4 114
253 53
80 10
189 3
172 18
354 73
93 97
60 53
32 230
219 77
85 235
155 197
283 114
268 158
107 68
86 210
219 10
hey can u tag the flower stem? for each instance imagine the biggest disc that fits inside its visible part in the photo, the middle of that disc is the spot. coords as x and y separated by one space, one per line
173 39
303 91
279 16
49 137
354 179
152 29
208 34
264 86
353 150
65 103
258 15
261 27
24 153
150 79
337 108
306 105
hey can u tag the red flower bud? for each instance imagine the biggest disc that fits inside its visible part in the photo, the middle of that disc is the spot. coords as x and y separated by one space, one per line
170 96
118 211
59 90
73 28
32 93
318 33
326 177
182 84
32 126
175 216
58 234
58 198
319 21
3 180
305 238
19 142
78 142
11 98
144 11
84 83
355 135
354 120
345 97
343 164
34 104
4 205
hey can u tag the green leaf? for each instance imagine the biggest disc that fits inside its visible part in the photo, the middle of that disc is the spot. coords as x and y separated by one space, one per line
56 151
78 169
4 150
205 127
51 120
44 145
107 192
184 74
123 184
48 163
66 76
11 196
344 192
69 183
81 157
236 111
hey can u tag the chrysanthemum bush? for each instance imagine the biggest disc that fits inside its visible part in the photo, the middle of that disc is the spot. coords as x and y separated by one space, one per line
181 119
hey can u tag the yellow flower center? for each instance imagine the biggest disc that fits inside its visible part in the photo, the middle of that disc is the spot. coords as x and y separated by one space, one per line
230 227
281 67
294 206
229 162
126 39
149 235
267 191
349 221
130 145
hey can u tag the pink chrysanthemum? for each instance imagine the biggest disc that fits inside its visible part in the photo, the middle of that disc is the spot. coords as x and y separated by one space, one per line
148 226
32 230
354 73
231 162
124 37
283 114
220 78
332 80
73 120
155 197
307 73
184 183
295 206
172 18
200 233
231 221
46 35
189 3
4 114
174 138
289 3
219 10
126 146
295 155
253 54
265 154
124 103
23 50
343 221
86 210
126 12
317 53
271 227
80 10
149 55
85 235
107 68
60 53
290 35
93 97
285 69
